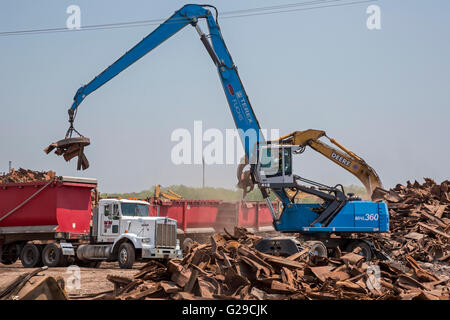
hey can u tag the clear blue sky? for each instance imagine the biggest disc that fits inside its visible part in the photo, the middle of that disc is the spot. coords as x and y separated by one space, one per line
385 94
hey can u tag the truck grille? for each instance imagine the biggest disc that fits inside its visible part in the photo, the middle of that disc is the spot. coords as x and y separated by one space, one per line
166 235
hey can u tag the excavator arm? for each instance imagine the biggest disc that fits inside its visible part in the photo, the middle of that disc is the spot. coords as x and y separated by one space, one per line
342 156
240 107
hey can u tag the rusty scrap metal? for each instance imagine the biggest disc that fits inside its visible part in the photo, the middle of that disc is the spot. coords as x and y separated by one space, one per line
23 288
419 221
24 175
70 148
230 268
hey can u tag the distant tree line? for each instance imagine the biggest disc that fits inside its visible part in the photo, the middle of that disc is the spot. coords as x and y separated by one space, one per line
209 193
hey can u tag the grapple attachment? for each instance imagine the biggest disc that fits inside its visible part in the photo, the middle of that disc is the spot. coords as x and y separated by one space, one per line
245 181
70 148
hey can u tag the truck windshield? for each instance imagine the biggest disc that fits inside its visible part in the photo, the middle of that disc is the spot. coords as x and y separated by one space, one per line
134 210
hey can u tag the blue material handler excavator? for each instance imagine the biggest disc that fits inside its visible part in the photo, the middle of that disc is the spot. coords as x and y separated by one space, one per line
333 222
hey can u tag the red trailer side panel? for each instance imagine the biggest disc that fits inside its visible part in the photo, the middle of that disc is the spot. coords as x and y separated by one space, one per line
255 215
194 216
73 208
64 205
209 216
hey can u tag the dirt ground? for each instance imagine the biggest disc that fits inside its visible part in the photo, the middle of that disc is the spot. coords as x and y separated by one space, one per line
91 280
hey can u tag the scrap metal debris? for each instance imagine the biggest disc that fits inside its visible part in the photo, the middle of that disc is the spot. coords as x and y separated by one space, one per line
24 288
70 148
419 221
24 175
230 268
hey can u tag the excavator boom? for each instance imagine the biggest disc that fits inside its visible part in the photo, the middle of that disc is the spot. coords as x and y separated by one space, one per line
191 14
343 157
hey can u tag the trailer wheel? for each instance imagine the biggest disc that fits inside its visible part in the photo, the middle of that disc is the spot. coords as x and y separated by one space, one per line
52 256
30 256
126 256
10 253
366 251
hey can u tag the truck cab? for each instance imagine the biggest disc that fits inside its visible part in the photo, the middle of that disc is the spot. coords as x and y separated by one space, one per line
122 230
118 217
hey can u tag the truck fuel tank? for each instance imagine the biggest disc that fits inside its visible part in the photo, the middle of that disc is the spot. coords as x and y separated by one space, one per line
89 252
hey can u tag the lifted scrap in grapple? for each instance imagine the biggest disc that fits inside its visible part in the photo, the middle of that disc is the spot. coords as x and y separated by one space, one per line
70 147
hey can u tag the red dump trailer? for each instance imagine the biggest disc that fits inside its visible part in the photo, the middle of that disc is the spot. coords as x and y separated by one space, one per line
59 209
198 219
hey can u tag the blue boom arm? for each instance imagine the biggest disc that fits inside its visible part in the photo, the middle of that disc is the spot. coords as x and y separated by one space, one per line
241 110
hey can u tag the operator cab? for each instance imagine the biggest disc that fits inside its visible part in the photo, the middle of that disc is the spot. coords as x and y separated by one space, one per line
274 168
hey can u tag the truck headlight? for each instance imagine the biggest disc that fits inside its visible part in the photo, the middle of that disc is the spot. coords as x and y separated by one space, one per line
146 240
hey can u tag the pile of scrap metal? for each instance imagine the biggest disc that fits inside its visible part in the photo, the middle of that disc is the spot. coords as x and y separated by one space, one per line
23 175
70 148
419 221
28 286
230 268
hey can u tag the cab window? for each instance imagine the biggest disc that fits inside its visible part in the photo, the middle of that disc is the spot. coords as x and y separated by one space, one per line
271 161
287 161
107 210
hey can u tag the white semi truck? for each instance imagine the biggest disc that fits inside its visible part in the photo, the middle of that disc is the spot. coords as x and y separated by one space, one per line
54 223
123 231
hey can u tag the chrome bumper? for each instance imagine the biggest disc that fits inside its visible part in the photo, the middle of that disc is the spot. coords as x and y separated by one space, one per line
161 253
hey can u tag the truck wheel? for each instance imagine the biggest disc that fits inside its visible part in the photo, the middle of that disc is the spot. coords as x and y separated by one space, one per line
30 256
366 251
126 256
186 243
52 256
9 253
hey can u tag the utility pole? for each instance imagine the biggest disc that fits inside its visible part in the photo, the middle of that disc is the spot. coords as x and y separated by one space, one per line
10 165
203 172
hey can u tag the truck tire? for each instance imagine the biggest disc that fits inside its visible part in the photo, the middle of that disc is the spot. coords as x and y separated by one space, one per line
10 253
126 256
52 256
186 243
366 251
30 256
